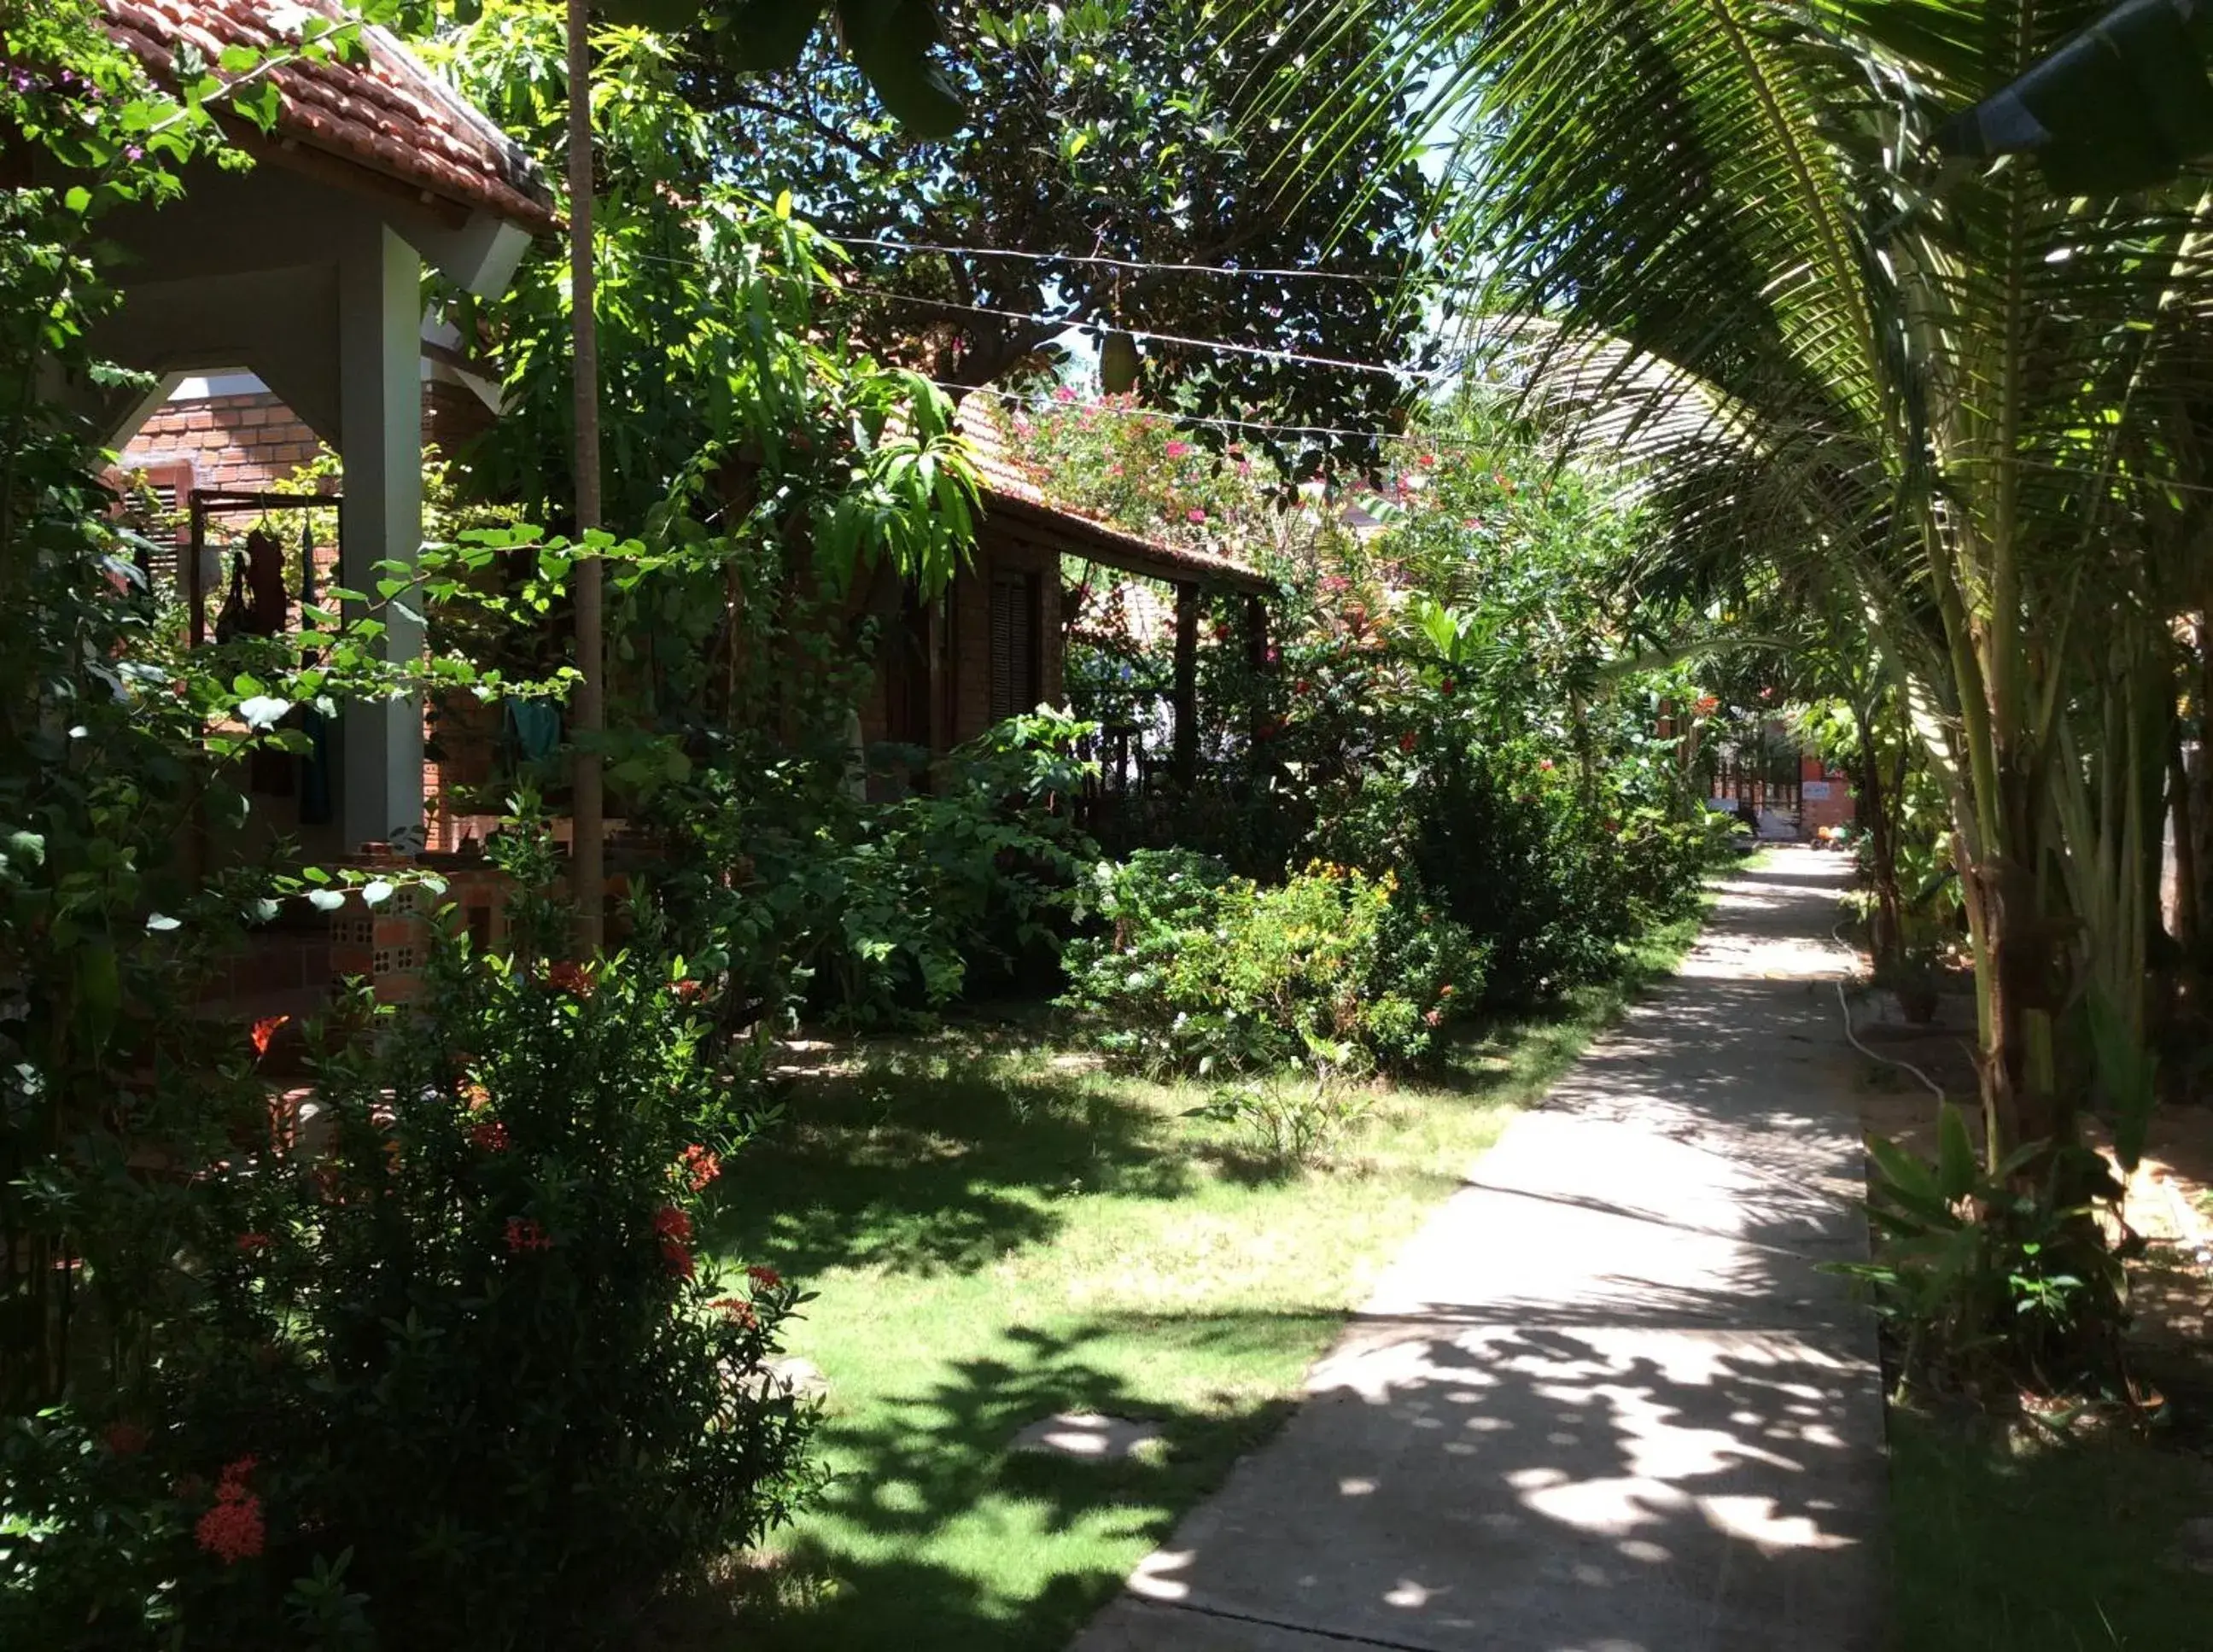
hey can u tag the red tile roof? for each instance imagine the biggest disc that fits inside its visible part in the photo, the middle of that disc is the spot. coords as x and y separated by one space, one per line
385 111
1011 491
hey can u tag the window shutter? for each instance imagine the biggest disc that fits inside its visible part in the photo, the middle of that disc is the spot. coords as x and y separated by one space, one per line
1015 674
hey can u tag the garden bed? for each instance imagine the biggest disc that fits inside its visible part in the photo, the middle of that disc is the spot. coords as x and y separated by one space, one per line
1000 1232
2094 1531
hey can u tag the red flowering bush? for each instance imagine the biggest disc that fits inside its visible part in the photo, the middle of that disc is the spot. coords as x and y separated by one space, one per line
456 1374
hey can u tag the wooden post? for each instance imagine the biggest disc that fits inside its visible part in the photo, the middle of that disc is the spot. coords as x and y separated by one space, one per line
1256 656
587 863
1184 757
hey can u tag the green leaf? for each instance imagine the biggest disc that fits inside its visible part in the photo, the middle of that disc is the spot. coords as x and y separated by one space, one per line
1956 1168
77 198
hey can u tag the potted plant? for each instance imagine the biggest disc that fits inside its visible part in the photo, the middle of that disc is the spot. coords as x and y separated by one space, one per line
1914 978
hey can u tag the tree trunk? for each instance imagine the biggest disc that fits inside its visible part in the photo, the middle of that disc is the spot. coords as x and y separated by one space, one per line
1183 758
1887 931
587 863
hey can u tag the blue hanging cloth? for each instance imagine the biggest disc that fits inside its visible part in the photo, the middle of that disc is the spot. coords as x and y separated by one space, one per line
315 766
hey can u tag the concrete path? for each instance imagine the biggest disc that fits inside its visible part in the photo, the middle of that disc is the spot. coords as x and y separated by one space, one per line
1603 1402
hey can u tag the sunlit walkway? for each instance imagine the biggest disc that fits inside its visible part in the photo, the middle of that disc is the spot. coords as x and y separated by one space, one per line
1604 1402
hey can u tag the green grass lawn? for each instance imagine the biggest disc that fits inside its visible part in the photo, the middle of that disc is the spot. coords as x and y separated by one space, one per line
2054 1548
996 1234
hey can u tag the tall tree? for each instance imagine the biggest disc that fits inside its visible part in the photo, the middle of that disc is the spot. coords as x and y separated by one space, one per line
1114 130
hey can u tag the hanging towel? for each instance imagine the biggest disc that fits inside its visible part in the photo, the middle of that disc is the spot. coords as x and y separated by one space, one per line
533 728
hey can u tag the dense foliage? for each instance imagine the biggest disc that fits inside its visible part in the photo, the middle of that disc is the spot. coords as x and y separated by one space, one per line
449 1372
1201 971
1114 130
266 1367
1448 694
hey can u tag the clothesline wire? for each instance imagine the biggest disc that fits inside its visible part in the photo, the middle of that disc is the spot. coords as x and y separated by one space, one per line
1432 376
1336 362
1024 398
1147 266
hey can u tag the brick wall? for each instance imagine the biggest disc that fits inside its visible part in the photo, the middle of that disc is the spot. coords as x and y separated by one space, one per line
1838 807
236 443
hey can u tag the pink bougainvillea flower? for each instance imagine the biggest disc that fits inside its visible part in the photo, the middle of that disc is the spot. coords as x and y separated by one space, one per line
671 1223
766 1277
264 1030
232 1530
526 1234
1178 449
702 1164
676 1257
491 1135
1062 393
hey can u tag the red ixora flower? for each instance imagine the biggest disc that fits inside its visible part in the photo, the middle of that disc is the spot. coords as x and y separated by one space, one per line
702 1164
264 1030
250 1243
671 1223
232 1530
676 1258
688 989
570 977
766 1277
491 1135
527 1233
736 1309
1408 741
1435 1018
124 1439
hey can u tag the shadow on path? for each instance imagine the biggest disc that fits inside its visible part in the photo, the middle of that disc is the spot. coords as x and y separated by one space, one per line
1605 1401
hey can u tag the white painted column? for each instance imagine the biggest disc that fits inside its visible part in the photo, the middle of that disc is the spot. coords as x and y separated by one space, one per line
379 325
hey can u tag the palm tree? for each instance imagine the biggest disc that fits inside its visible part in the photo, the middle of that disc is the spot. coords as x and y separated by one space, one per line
1971 410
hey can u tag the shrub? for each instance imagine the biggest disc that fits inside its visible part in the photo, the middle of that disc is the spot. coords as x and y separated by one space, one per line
453 1376
1288 1124
1994 1283
1200 970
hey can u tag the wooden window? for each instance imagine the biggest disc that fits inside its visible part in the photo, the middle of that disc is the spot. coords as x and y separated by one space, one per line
1016 679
